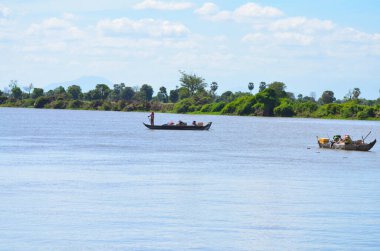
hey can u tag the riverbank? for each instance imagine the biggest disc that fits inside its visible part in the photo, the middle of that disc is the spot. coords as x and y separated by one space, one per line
271 101
370 113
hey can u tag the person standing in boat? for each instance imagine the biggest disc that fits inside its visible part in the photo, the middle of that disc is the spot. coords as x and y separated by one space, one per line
151 116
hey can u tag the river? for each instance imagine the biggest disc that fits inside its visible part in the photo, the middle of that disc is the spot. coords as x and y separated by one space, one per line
93 180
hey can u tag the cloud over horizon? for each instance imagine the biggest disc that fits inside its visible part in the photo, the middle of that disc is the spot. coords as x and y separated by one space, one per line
151 27
4 12
161 5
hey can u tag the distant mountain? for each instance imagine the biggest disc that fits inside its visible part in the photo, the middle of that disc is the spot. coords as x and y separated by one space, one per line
86 83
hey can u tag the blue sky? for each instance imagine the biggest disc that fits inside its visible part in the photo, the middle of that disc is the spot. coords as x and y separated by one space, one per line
311 46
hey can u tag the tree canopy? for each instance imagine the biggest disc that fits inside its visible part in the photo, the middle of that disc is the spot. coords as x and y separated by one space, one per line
192 82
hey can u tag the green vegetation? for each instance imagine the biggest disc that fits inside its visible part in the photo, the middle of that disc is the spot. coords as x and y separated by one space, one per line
193 96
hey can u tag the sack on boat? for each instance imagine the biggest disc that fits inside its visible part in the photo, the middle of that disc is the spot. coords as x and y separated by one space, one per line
200 123
323 140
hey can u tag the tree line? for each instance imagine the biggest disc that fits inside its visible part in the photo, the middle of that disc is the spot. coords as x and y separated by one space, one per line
194 95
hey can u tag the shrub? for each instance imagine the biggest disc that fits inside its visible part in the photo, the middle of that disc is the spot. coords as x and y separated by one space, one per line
218 106
167 107
347 111
75 104
194 108
183 106
362 115
129 108
258 109
245 105
229 108
366 113
94 105
333 109
106 106
156 106
305 108
284 110
58 104
41 102
269 100
206 108
28 102
3 99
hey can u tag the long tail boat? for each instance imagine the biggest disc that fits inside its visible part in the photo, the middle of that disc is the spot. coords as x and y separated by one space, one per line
357 145
179 127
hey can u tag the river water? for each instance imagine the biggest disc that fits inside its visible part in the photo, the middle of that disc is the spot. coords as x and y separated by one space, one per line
92 180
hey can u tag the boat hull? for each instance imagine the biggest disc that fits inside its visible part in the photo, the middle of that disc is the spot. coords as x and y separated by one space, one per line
179 127
348 147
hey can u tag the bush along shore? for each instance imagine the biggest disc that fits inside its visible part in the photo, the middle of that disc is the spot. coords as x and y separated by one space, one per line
195 96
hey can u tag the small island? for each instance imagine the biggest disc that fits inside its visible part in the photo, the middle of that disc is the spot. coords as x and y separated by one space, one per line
196 96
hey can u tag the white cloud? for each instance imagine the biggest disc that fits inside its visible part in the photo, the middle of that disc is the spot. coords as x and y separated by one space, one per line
56 29
4 12
301 23
250 10
207 9
255 38
353 35
69 16
151 27
48 24
160 5
293 38
278 39
246 12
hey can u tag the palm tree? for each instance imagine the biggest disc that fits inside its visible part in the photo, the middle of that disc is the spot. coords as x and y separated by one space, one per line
251 86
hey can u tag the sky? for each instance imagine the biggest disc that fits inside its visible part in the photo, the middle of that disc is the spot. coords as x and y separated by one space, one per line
311 46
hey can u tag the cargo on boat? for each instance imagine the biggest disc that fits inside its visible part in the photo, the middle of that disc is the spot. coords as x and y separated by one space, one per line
198 127
345 144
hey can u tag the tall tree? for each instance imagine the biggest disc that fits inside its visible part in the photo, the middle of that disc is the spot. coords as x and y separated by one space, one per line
327 97
174 96
192 82
60 90
214 87
183 93
37 92
163 94
75 92
103 91
356 93
262 86
251 86
147 90
127 93
279 88
227 96
16 92
117 91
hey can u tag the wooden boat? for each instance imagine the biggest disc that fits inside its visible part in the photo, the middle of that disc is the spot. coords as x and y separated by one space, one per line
179 127
357 145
